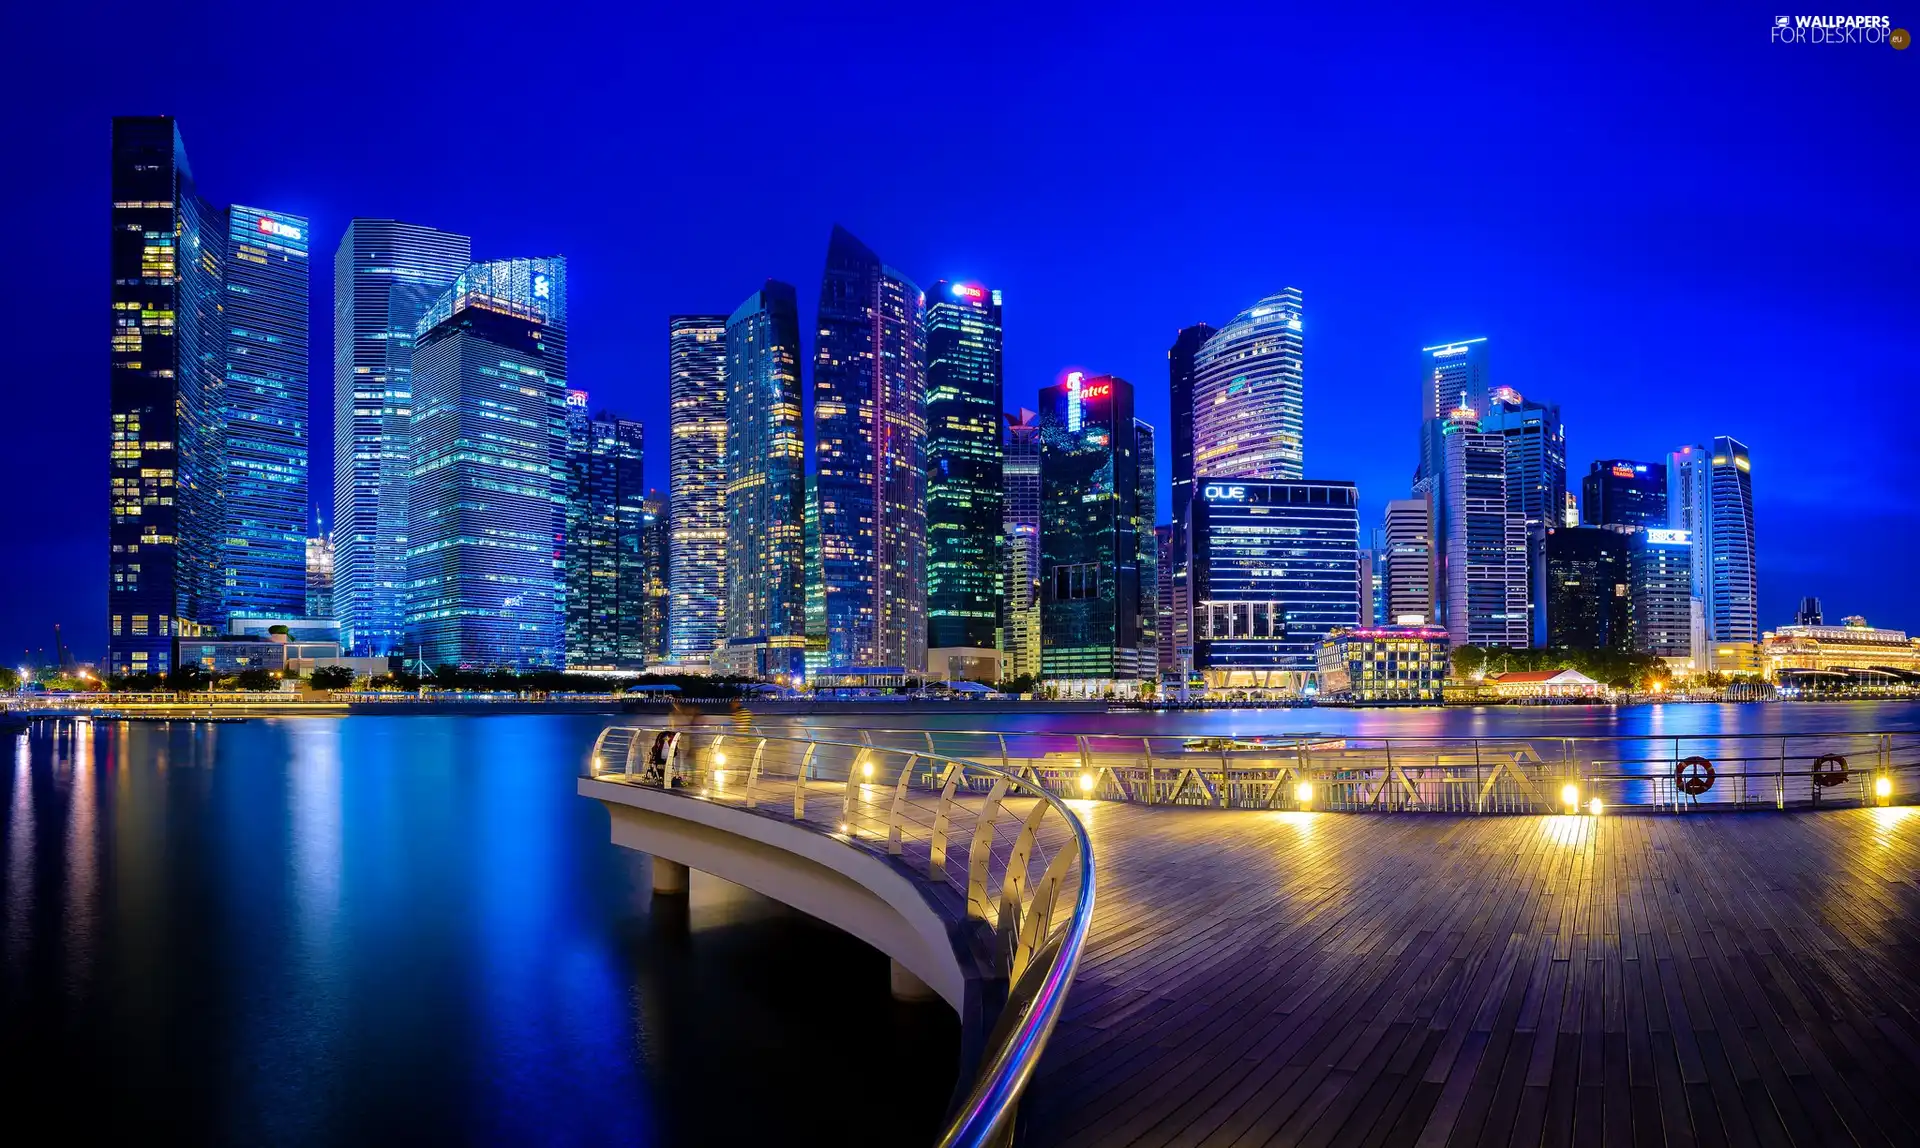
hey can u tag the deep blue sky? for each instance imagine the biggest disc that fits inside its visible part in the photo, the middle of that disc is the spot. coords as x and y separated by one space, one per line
1666 223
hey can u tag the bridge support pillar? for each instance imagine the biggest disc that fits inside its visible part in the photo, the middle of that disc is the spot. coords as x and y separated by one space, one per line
906 986
669 877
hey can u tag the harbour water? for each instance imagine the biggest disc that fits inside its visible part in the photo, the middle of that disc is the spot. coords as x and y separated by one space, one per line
411 929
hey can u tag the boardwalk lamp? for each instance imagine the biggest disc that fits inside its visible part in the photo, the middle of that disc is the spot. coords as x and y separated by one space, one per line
1595 806
1303 793
1883 786
1086 783
866 770
1570 796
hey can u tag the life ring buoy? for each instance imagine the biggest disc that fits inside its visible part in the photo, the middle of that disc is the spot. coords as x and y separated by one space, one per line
1694 775
1829 770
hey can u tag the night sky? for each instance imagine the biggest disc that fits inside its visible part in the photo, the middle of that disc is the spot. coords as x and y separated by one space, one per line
1664 222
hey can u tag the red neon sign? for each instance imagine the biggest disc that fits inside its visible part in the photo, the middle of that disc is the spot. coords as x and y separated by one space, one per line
1096 391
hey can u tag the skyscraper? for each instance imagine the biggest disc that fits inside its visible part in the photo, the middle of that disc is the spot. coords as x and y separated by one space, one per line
266 434
1020 629
1621 492
1248 394
1147 548
1536 449
320 575
1589 589
166 375
1163 598
697 465
1660 573
870 452
1090 499
1275 571
652 562
1479 544
1710 493
1408 561
964 484
1181 368
765 617
1455 370
609 593
486 507
385 274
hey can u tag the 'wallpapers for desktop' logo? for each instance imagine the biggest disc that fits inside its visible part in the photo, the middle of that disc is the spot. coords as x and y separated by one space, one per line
1838 30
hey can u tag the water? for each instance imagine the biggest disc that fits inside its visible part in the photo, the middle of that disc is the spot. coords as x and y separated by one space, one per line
409 929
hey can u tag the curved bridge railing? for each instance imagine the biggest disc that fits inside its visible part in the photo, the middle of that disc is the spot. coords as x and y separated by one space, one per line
1436 774
1008 857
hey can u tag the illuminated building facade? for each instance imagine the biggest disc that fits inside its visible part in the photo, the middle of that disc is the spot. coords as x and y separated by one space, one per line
1163 661
1090 541
1452 370
609 593
486 508
1384 664
1710 493
650 566
1848 655
1020 598
1248 394
1536 448
1275 571
964 481
1148 549
870 457
320 575
765 618
697 465
1479 544
1660 574
265 394
1408 562
166 375
1589 589
385 273
1622 492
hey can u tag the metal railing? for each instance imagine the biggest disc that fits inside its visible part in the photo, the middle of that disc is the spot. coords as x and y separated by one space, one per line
1010 858
1441 774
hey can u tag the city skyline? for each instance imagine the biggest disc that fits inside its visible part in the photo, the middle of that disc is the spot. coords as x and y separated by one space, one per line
1707 300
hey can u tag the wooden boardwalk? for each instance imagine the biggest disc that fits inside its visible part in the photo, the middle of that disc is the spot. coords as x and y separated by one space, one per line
1326 979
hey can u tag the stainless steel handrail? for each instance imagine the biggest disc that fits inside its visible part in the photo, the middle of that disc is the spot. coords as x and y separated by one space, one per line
1448 773
1038 958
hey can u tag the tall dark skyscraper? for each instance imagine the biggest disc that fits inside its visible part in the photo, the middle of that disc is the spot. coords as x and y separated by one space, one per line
697 490
607 577
266 436
1182 360
1589 589
964 491
1621 492
1090 571
652 562
765 618
385 274
1479 543
1456 377
870 452
1020 627
486 507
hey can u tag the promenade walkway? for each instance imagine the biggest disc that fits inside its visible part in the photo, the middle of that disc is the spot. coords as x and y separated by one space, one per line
1327 979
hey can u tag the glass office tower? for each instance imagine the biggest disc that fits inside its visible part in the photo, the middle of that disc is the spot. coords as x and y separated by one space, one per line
1020 628
165 381
385 273
697 469
1589 589
1275 571
766 631
1536 482
1621 492
651 627
1710 494
1456 376
870 454
1248 394
1090 575
266 318
1182 367
486 508
964 492
1660 574
1479 544
608 591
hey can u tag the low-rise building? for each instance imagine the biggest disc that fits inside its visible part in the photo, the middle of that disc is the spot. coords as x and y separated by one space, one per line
1384 663
1544 684
1852 650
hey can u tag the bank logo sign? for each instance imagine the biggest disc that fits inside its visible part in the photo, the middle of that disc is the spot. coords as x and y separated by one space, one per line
1838 30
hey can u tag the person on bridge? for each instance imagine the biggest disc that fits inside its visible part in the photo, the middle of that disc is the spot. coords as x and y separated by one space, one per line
660 759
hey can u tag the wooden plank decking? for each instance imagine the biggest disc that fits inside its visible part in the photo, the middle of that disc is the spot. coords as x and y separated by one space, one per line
1327 979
